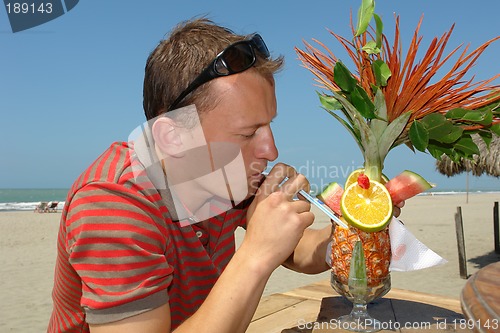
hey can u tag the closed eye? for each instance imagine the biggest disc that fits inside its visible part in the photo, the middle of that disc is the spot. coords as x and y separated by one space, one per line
252 131
249 136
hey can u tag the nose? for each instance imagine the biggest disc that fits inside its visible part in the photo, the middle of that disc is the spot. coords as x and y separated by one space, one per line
266 148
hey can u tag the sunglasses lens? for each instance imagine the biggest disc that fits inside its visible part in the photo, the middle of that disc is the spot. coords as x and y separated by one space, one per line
235 59
261 46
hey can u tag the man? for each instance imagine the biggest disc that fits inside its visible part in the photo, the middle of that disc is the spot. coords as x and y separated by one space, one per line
135 256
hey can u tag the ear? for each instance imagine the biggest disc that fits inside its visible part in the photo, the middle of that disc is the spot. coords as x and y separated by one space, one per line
167 137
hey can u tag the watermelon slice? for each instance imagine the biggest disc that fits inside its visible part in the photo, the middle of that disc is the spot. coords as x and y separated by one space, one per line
406 185
331 196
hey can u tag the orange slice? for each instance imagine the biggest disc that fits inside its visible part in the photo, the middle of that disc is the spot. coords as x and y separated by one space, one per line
367 209
353 177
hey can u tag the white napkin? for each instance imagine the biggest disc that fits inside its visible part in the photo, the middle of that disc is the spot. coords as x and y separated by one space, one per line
408 253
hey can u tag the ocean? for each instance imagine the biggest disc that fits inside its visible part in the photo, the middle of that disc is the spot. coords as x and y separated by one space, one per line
28 199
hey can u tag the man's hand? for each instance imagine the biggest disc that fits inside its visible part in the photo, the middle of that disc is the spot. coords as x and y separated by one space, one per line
276 222
397 208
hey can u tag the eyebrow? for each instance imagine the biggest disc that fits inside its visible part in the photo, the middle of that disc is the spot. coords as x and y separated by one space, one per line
257 125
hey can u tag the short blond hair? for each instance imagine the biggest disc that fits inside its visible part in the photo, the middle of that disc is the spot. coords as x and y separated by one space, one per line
180 58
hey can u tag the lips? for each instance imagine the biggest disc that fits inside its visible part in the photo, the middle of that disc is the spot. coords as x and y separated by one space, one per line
256 176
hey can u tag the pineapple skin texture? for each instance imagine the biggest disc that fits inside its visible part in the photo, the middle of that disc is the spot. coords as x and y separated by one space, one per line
377 250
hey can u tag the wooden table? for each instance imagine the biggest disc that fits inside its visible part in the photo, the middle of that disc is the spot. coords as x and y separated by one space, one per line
315 308
480 299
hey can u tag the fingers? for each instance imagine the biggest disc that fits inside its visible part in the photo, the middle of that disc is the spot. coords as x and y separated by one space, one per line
400 204
283 178
305 216
301 206
293 185
279 173
396 211
397 208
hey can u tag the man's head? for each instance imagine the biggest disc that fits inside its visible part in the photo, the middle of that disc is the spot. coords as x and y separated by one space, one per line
236 108
179 59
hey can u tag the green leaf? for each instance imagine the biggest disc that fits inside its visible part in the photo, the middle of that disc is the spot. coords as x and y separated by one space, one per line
437 150
380 106
367 141
457 113
480 117
496 129
487 137
441 129
352 113
483 116
379 30
379 124
457 156
433 122
466 146
391 133
365 14
355 134
371 48
357 271
329 102
455 132
363 103
419 136
381 71
343 78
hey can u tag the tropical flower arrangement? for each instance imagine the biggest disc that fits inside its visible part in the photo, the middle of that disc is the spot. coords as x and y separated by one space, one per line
390 99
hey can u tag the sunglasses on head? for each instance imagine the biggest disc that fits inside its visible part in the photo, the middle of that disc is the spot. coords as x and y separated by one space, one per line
235 58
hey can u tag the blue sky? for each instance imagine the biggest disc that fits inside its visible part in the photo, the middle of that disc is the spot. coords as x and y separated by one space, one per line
72 86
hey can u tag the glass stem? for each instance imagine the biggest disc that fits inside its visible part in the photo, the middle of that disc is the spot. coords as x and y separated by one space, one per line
359 309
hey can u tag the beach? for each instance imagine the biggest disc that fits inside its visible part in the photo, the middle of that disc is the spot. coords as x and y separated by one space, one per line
28 252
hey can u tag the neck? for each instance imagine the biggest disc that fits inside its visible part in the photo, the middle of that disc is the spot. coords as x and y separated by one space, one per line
190 199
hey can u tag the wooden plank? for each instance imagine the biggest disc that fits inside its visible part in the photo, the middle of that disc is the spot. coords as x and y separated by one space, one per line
316 291
496 227
437 300
462 260
274 303
395 315
322 289
413 316
334 307
313 309
303 312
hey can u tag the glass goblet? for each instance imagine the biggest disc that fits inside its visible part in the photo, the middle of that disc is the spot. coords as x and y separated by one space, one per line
359 320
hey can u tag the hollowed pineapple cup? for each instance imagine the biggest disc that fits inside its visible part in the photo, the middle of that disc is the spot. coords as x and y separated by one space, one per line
377 282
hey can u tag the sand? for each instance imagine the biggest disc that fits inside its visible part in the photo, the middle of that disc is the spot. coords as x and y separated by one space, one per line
28 243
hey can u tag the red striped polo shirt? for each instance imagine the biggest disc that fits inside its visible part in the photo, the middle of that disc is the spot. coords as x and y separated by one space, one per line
120 254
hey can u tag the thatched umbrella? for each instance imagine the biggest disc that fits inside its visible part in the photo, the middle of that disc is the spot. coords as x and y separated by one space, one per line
487 162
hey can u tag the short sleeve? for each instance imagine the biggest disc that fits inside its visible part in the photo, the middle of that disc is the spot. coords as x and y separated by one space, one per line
116 240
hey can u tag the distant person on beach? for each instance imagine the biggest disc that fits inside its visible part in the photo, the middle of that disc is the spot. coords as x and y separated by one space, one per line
146 242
